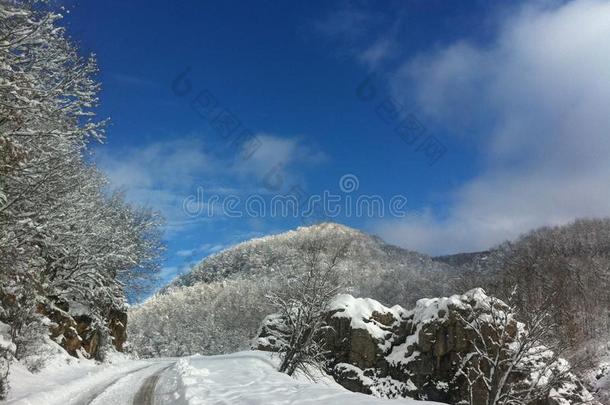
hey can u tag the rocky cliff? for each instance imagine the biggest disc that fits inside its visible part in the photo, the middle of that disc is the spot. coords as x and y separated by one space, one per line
77 332
422 353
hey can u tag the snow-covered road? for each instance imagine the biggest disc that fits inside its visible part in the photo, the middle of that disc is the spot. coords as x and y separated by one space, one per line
126 383
136 387
146 393
240 378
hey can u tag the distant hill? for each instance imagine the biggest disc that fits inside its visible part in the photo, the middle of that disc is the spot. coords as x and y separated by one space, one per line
461 259
371 263
217 307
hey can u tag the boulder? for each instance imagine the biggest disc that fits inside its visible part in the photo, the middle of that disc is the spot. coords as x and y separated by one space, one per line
271 334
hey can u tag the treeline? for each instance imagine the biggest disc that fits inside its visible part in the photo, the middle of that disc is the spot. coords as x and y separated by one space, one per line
65 240
563 269
219 317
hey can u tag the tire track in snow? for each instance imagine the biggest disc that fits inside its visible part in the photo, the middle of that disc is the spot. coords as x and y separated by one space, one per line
88 398
146 393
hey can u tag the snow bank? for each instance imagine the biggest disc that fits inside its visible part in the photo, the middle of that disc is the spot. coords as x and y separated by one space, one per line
251 378
5 341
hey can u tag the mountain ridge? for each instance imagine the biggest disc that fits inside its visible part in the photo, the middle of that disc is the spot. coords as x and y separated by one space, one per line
370 258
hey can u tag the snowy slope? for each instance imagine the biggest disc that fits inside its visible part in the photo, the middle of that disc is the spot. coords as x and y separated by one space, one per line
218 306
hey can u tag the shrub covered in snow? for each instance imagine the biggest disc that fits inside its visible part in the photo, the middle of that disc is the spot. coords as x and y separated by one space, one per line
205 318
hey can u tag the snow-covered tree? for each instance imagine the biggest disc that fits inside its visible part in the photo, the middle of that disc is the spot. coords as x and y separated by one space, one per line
7 352
512 363
565 268
64 239
303 299
253 269
206 318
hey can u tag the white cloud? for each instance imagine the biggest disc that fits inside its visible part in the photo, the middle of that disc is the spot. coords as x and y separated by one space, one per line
271 151
185 252
538 101
378 52
163 174
171 164
278 160
352 23
168 272
159 174
213 248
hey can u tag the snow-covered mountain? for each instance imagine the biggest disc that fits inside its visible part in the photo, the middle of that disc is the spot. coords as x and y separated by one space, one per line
218 306
373 268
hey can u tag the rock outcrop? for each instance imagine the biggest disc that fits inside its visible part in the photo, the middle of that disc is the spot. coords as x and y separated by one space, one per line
392 352
78 334
72 326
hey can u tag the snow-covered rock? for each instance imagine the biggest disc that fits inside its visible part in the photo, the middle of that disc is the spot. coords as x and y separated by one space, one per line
73 328
419 353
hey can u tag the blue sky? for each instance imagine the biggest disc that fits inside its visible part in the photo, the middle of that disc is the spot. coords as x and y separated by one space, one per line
515 96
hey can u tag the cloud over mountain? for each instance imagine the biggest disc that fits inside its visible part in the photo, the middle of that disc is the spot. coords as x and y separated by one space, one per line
536 99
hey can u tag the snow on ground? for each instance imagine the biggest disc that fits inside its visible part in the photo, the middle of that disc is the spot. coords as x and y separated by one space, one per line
598 378
240 378
66 380
251 378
